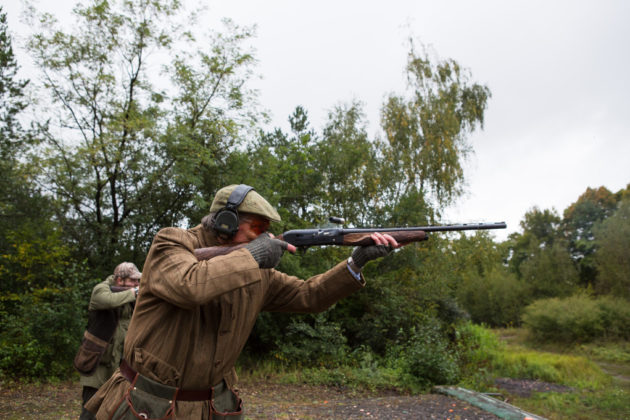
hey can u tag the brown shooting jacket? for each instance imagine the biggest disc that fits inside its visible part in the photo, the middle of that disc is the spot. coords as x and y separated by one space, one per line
192 318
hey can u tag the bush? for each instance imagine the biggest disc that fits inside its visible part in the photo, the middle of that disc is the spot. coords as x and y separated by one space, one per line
41 338
579 318
477 349
425 357
316 343
496 300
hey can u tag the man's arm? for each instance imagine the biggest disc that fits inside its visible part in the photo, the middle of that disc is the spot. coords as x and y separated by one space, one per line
172 273
104 298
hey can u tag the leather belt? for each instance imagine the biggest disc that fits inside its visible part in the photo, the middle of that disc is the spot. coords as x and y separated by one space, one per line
180 394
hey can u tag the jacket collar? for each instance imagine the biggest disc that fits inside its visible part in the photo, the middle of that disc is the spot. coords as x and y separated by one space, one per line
204 237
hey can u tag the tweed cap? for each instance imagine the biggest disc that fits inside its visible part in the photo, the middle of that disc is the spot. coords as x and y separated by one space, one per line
127 269
253 203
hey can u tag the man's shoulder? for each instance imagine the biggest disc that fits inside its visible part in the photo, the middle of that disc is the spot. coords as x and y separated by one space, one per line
173 234
191 237
105 284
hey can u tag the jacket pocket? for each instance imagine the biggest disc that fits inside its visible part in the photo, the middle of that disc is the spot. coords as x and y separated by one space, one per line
138 404
89 354
226 405
156 369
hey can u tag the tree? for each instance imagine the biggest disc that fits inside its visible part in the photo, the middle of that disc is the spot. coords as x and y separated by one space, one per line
549 271
14 191
540 230
112 157
593 206
12 100
426 132
347 159
30 251
283 168
612 259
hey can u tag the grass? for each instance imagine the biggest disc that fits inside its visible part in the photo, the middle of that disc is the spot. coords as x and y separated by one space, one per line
598 373
371 377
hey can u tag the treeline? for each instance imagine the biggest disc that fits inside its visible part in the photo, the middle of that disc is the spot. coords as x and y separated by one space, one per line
118 146
583 252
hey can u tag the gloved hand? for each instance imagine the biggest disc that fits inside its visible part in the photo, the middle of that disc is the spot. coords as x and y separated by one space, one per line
362 254
266 250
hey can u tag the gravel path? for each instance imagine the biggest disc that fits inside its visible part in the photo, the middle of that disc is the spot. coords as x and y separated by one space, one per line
262 401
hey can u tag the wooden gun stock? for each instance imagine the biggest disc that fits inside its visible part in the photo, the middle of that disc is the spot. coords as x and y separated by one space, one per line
215 251
402 237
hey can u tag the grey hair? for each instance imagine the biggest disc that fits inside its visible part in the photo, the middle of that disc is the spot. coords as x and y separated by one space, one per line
208 221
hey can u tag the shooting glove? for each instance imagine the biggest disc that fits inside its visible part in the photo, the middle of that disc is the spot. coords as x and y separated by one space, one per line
266 251
362 254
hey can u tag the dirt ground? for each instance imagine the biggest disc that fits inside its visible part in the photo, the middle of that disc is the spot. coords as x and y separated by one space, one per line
275 401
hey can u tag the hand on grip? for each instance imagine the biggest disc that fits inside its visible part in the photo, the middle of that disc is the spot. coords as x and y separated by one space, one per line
266 250
383 245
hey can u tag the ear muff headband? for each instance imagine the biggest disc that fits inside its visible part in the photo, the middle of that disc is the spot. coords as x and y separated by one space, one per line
226 220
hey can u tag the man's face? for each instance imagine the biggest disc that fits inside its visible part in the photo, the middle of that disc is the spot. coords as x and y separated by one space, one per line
250 227
127 282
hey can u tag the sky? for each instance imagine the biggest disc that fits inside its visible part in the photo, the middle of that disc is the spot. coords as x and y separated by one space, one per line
558 120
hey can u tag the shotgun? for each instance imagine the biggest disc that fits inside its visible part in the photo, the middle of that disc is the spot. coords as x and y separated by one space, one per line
303 238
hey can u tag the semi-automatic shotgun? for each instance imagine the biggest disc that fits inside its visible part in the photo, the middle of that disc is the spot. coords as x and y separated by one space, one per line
304 238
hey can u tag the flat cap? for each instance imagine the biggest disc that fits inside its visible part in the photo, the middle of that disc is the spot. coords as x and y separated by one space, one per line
253 203
127 270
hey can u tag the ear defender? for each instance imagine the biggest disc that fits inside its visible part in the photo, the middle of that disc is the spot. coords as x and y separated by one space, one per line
226 220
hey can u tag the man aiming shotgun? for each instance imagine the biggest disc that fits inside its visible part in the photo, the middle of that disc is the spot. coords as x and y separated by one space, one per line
193 317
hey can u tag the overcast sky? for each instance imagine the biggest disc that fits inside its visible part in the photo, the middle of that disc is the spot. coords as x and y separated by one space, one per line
559 117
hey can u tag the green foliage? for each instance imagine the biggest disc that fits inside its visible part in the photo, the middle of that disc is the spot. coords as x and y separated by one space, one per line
425 356
540 256
477 348
41 338
607 351
43 303
35 258
549 271
314 343
12 99
592 393
580 218
112 150
20 202
540 230
548 367
579 318
284 169
426 132
613 256
496 299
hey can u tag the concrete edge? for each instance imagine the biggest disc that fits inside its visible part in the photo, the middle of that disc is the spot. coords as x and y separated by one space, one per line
497 407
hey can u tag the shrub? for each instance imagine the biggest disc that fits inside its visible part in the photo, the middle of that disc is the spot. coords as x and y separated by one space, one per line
425 357
579 318
41 338
496 300
316 343
477 349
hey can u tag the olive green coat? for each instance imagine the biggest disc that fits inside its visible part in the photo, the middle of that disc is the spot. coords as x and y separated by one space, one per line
192 318
103 298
